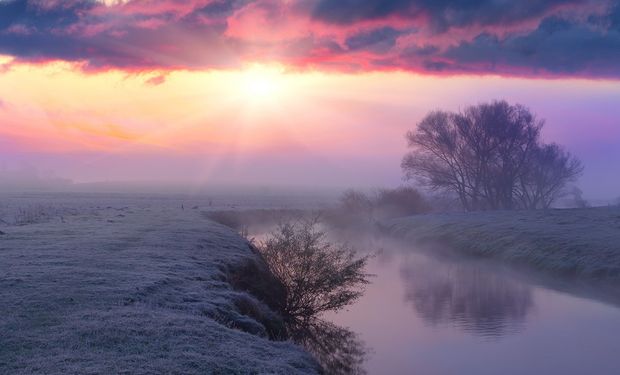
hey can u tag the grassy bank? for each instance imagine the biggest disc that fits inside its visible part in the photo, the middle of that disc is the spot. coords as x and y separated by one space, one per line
580 242
140 290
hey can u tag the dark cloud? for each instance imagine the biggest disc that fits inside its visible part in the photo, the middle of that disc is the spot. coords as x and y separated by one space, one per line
557 46
137 49
440 14
40 14
221 7
37 31
351 11
378 40
32 29
420 51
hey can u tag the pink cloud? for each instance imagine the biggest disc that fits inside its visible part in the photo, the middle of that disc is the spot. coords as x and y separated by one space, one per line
582 39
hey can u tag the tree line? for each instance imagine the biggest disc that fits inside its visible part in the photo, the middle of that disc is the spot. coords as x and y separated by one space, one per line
490 156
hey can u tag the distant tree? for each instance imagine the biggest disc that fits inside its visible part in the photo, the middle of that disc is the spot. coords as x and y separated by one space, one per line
489 155
356 202
357 208
402 201
578 201
548 171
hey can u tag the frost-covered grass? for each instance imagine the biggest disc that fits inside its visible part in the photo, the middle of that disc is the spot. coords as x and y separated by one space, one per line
580 242
132 287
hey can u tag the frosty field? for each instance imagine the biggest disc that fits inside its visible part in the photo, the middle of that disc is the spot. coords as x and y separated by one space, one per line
129 285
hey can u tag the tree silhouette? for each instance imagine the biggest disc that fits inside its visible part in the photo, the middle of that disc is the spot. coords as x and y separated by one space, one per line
490 156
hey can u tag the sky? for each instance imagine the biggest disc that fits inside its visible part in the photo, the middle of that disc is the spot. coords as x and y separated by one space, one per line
293 92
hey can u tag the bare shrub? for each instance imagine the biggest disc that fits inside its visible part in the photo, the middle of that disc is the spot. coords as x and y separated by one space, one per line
359 211
402 201
318 275
356 202
355 209
308 275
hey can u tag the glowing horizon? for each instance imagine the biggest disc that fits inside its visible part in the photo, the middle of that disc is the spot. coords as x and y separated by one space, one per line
280 91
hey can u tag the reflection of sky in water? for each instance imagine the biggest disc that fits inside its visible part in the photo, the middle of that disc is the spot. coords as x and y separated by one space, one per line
438 317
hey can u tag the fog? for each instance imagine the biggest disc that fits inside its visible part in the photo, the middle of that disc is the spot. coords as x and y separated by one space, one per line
299 172
295 173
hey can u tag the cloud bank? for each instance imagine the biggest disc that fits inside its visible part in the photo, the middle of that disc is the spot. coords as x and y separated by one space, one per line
575 38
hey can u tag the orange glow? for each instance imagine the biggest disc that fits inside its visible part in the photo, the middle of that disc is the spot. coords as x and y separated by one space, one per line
58 108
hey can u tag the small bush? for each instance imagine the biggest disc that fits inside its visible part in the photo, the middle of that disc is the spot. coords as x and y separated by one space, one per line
355 202
318 275
357 208
354 210
402 201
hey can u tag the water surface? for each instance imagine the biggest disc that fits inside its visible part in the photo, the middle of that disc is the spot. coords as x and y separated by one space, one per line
433 315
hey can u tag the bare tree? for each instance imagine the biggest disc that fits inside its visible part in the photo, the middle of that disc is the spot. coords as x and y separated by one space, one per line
549 170
439 157
483 154
578 200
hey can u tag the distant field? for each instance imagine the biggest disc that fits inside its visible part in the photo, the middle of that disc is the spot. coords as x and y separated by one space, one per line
130 285
26 208
581 242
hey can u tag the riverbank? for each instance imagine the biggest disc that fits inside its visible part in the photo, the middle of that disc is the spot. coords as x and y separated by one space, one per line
140 289
572 242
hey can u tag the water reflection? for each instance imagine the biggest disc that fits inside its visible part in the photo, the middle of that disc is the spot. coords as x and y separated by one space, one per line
466 295
338 350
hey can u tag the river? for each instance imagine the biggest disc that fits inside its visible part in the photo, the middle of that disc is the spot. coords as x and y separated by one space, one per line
430 315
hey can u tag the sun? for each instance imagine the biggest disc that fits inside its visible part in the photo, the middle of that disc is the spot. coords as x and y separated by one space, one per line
260 83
